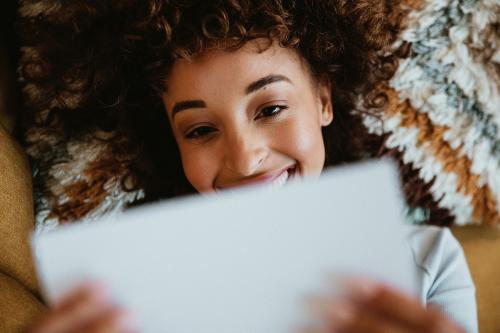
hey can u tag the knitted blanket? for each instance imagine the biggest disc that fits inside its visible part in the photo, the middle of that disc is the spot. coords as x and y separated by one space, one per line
445 111
442 122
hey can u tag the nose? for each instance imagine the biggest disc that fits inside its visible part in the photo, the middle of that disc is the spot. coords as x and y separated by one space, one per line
245 153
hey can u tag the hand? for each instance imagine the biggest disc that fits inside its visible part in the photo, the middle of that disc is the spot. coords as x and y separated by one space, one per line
87 309
376 308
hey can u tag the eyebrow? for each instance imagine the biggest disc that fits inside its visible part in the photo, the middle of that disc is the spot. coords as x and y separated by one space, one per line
252 87
194 104
261 83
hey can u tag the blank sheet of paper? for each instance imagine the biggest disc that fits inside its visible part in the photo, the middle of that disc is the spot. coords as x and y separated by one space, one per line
242 261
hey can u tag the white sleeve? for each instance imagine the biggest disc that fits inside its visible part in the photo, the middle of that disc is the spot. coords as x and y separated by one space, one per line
446 280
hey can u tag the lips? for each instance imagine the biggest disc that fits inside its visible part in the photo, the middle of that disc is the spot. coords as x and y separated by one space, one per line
272 179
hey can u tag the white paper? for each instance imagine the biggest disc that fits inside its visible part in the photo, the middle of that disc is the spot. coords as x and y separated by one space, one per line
238 262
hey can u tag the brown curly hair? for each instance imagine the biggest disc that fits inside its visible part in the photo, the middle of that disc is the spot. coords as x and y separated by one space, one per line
96 69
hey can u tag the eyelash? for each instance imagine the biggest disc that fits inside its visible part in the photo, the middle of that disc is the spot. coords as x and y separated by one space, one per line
207 130
277 106
192 135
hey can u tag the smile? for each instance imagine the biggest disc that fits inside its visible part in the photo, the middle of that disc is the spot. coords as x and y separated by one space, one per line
271 180
282 179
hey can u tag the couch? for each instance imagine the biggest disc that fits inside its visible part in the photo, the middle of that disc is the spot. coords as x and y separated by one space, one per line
19 301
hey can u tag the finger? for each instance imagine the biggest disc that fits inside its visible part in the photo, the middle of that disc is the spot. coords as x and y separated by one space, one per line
313 329
75 310
397 306
342 315
391 303
318 307
368 322
86 289
112 321
439 322
333 313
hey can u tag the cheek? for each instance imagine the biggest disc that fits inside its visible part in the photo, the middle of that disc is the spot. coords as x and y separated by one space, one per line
303 141
199 168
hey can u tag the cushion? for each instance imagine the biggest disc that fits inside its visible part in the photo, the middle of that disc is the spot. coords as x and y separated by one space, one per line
18 286
482 250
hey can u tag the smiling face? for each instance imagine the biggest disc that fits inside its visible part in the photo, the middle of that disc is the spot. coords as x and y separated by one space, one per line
251 116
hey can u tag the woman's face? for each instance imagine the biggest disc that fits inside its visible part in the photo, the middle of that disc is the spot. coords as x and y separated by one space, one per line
251 116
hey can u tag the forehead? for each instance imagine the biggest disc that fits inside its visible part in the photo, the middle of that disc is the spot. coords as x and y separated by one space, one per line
213 69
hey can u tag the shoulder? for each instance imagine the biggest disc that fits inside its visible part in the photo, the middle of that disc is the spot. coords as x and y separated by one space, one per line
445 278
434 248
440 257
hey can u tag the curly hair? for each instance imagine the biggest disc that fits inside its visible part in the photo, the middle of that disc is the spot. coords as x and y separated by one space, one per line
95 70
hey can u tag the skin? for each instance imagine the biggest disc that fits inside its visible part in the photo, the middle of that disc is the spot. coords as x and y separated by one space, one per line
87 309
237 138
371 307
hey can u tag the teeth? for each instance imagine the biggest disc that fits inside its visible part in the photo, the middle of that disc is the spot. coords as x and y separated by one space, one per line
280 181
277 183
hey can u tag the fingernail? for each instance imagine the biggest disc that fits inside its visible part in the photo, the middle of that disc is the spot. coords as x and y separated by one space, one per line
363 290
337 312
315 303
319 306
99 291
99 297
127 320
342 313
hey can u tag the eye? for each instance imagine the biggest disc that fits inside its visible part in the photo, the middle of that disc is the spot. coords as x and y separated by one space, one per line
200 132
271 111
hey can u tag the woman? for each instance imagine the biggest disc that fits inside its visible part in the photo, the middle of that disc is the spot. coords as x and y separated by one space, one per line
199 96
